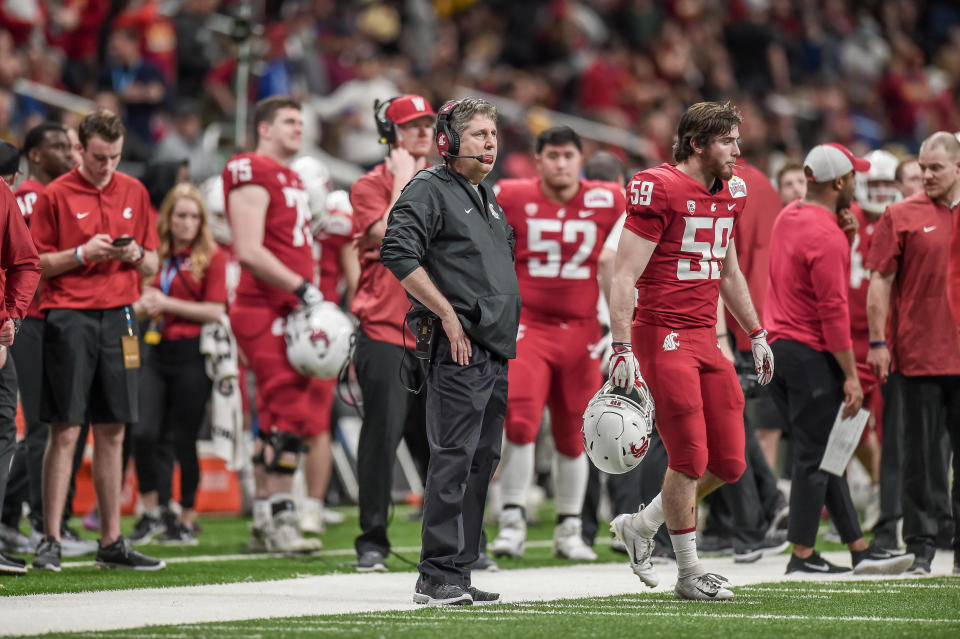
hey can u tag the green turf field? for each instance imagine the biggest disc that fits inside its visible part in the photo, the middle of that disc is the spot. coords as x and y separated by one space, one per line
928 608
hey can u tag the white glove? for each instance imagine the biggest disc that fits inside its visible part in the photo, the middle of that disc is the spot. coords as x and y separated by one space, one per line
601 351
309 294
624 369
762 356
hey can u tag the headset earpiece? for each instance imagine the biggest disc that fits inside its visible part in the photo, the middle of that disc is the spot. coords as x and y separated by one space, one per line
448 141
386 129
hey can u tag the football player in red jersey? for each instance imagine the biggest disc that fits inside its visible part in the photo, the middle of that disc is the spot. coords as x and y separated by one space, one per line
679 255
560 222
270 219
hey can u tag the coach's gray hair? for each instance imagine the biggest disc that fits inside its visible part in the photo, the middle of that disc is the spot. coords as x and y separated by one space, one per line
466 109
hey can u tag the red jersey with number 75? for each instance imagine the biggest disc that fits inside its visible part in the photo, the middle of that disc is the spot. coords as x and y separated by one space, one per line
558 244
692 227
286 231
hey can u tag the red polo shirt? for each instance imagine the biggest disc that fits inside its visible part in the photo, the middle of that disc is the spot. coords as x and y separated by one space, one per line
176 279
381 303
68 213
809 279
912 239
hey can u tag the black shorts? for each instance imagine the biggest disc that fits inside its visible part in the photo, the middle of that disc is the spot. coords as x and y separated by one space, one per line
83 375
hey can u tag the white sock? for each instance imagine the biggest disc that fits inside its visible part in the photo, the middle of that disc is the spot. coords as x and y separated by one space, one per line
261 513
516 473
685 546
649 520
570 477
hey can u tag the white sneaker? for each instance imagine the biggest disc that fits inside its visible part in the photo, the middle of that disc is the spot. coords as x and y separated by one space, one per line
639 549
705 587
284 536
332 517
311 518
568 541
512 535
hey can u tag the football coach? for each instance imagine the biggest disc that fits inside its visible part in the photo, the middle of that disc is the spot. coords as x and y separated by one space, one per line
449 244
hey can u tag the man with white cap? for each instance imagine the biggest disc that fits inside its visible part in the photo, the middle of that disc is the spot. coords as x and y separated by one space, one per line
808 318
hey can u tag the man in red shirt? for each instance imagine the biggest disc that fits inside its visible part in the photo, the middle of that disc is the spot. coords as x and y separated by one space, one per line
47 149
677 252
809 320
560 223
270 218
95 235
908 256
384 341
18 259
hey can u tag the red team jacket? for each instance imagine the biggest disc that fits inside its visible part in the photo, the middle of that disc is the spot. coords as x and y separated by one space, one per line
558 245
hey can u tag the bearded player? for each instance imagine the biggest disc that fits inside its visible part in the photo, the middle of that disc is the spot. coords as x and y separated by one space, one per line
677 253
560 223
270 217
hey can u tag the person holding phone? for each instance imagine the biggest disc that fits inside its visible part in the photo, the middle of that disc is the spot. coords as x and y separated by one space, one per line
189 290
91 351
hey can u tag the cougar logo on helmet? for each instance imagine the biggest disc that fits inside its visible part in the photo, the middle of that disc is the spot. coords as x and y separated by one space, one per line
640 452
318 340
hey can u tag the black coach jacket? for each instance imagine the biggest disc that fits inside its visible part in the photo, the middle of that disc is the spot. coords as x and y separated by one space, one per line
462 239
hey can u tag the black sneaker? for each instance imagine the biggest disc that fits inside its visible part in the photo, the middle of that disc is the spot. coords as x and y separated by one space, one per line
174 532
877 561
484 562
47 555
146 528
371 561
120 554
921 566
12 565
814 564
773 544
441 594
481 597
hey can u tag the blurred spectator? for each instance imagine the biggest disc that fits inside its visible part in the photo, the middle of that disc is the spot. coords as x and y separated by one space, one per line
791 182
195 45
184 141
909 176
75 27
139 84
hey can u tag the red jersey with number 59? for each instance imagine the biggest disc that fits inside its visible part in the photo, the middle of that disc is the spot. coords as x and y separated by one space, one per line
692 226
286 231
558 244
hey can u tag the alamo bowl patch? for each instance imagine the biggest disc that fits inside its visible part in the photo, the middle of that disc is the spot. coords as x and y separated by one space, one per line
738 188
598 198
493 211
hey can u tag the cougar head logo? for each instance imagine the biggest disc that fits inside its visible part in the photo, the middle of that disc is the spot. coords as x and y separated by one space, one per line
639 452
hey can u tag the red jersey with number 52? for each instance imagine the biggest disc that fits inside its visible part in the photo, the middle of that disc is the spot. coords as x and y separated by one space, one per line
286 231
558 244
692 226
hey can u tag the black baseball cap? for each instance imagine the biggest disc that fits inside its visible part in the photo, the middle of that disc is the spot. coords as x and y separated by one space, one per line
9 158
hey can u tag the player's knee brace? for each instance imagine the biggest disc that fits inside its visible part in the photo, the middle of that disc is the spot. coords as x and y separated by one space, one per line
278 443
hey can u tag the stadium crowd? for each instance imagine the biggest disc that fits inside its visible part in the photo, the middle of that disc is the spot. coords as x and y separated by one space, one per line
880 79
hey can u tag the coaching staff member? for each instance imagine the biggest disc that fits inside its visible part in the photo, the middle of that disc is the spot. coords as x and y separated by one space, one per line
94 231
808 317
449 244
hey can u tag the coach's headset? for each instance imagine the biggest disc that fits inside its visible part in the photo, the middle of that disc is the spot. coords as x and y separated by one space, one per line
448 140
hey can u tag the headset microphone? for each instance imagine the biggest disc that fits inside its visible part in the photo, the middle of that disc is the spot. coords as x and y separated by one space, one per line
486 159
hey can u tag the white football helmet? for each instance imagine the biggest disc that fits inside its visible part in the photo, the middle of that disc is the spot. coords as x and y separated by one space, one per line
877 189
318 339
212 193
617 428
316 182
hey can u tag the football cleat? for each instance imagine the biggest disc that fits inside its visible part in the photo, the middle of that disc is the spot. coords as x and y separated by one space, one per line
283 535
705 587
512 535
568 541
639 549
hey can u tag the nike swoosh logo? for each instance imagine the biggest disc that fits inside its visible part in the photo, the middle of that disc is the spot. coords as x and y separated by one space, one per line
707 593
80 216
467 211
927 229
817 567
586 213
730 206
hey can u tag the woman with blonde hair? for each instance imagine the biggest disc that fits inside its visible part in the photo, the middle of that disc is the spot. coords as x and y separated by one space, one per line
189 290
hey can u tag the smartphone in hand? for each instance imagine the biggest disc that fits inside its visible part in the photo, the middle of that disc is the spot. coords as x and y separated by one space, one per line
122 240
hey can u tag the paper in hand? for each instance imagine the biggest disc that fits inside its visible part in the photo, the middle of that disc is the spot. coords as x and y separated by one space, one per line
844 437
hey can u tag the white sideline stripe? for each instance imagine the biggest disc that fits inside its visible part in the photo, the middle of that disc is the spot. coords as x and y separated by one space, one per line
372 592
